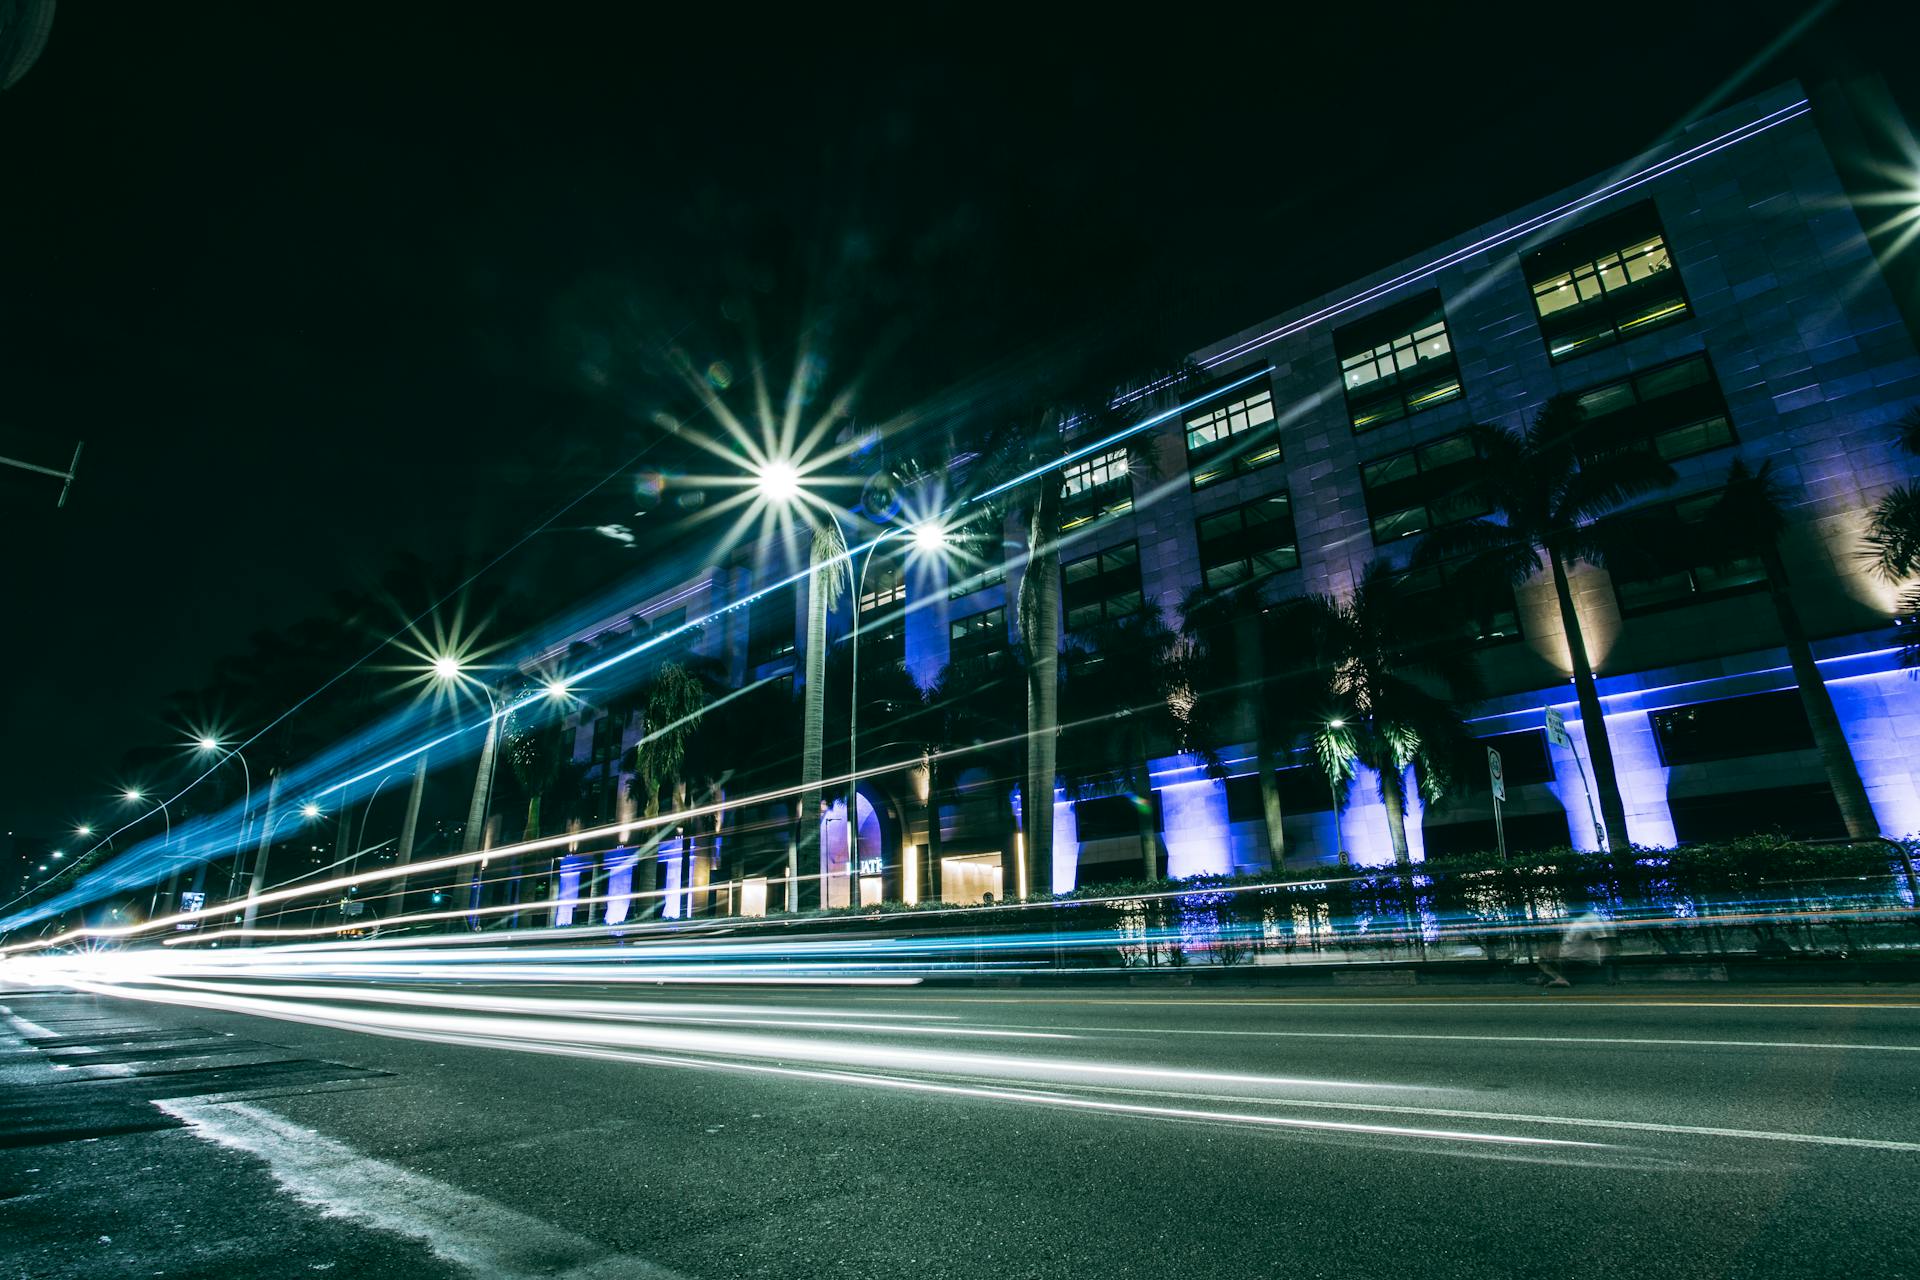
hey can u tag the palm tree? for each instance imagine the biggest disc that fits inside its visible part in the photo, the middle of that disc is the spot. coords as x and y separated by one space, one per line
1893 538
827 578
1746 523
1124 681
1250 672
1023 459
674 701
1552 487
1391 697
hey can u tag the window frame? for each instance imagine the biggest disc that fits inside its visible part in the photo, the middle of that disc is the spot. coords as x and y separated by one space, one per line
1426 382
1427 502
1714 400
1595 249
1673 757
1247 554
1103 573
995 624
1109 495
1477 629
1239 451
1755 579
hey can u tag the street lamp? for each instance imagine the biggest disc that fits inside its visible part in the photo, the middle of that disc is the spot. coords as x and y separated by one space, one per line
133 795
207 742
778 482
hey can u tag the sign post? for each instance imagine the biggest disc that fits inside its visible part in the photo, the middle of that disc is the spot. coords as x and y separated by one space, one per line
1558 735
1499 779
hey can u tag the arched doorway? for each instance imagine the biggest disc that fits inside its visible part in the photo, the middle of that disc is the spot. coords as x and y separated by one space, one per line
877 846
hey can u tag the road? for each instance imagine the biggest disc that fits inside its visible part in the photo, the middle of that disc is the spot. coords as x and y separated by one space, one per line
1691 1130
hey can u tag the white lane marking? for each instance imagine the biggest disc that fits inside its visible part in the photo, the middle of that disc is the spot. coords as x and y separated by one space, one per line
488 1239
1498 1039
29 1029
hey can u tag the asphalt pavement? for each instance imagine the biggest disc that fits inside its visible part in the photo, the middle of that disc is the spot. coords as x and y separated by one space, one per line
240 1129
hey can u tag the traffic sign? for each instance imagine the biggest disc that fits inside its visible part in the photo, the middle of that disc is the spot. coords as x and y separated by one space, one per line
1557 728
1496 774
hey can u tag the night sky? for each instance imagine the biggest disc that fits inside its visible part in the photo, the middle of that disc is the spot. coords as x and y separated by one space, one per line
313 282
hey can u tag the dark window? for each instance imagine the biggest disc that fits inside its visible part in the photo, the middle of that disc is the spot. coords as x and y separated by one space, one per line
1422 488
1110 817
969 578
1459 605
1523 756
1243 799
1248 542
1605 283
1671 562
1091 875
1095 487
1397 362
771 625
1676 409
1101 587
1730 728
1232 435
1304 789
1806 811
977 635
1525 832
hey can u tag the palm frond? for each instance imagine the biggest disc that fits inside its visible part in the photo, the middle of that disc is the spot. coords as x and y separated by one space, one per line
1893 534
1604 484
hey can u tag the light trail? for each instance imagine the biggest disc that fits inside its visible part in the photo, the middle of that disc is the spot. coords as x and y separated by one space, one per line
1527 227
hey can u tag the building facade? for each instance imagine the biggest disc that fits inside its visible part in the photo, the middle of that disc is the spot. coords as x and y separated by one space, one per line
1715 299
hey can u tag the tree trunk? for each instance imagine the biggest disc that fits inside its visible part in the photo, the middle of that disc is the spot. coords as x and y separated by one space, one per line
649 865
823 553
409 828
930 881
1251 659
1040 637
1613 813
1140 782
1835 756
1393 794
259 880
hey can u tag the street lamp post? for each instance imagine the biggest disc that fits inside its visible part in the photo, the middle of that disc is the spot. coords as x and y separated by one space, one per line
133 795
246 811
482 791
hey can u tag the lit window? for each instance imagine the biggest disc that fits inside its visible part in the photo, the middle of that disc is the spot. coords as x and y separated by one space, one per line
1397 361
1232 437
1094 488
885 584
1605 283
